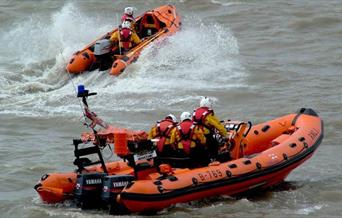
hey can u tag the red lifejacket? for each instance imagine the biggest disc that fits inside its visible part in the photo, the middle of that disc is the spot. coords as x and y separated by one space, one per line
186 130
164 128
127 17
200 114
125 38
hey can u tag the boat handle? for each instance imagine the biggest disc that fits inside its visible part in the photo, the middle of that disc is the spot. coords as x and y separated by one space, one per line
249 128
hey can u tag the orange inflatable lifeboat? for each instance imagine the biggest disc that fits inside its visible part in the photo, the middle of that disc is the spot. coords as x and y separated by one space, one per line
153 25
255 156
261 157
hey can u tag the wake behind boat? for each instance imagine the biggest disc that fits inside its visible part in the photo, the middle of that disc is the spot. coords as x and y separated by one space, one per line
153 25
255 156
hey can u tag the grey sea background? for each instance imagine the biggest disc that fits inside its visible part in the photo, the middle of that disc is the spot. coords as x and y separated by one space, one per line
256 59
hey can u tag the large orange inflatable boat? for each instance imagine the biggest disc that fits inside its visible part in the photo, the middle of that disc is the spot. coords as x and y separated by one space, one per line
153 25
256 156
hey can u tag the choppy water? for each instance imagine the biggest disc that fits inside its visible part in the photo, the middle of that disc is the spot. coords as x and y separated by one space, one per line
256 59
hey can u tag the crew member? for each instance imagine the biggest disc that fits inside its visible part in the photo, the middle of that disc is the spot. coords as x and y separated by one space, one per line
128 16
204 116
190 140
125 37
162 130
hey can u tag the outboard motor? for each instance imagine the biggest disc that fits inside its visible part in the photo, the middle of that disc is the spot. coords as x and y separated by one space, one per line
113 185
102 52
88 190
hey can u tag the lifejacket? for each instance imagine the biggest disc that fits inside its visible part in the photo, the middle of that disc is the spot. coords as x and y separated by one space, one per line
200 114
125 38
164 128
186 130
127 17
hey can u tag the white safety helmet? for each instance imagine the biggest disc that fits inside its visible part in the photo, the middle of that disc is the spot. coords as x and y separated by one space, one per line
185 116
126 24
129 11
172 117
205 102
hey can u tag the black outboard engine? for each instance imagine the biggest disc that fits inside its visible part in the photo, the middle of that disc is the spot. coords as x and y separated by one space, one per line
102 52
113 185
88 190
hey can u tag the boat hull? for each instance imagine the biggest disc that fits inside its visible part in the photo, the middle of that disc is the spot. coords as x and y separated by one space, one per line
136 203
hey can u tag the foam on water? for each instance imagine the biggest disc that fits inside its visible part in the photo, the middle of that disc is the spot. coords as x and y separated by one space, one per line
309 210
201 57
225 4
37 38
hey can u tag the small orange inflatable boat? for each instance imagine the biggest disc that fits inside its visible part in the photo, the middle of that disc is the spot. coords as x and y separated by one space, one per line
256 156
262 159
153 25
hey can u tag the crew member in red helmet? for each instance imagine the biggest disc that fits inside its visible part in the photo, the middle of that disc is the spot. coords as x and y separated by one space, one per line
125 37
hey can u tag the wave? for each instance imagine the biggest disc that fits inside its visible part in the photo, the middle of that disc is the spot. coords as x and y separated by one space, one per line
225 4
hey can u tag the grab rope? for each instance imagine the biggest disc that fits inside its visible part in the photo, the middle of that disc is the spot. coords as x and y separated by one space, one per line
73 84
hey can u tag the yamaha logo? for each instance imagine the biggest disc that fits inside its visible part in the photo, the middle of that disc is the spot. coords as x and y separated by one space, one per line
120 184
93 181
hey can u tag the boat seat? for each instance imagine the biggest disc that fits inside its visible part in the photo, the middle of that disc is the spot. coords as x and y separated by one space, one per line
149 25
238 141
